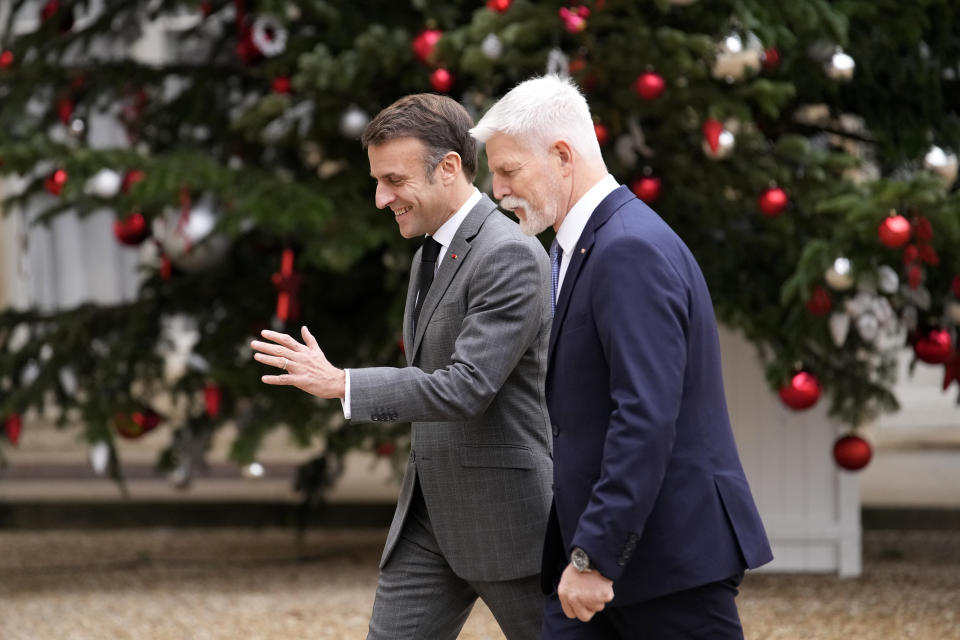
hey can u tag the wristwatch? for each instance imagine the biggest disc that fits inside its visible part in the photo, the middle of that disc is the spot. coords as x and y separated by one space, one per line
580 560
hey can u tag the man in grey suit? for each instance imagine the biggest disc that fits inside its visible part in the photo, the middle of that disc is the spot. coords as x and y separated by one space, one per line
476 493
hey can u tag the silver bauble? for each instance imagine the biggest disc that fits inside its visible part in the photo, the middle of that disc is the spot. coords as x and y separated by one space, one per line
942 163
839 275
736 58
491 46
840 66
105 183
353 121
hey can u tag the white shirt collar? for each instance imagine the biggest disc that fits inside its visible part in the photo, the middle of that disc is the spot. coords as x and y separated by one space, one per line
444 235
576 219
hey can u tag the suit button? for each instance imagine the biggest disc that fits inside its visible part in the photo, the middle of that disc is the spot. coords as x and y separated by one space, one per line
556 431
413 456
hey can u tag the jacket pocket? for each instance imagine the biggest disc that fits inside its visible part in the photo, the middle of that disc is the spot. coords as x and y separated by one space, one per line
498 456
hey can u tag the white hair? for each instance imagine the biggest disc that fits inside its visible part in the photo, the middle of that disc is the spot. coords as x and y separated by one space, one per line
541 111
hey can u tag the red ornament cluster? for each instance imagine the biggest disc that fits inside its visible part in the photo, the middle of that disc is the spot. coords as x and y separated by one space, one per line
132 230
574 18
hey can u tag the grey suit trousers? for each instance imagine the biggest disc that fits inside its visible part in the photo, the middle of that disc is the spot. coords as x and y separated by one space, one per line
435 603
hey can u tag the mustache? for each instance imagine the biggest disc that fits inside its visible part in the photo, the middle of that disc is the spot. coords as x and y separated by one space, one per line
512 203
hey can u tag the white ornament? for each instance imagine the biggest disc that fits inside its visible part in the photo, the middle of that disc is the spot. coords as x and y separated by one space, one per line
105 183
269 36
353 121
100 454
68 381
840 66
887 279
953 312
253 471
188 238
942 163
179 335
840 275
868 327
491 46
736 58
839 324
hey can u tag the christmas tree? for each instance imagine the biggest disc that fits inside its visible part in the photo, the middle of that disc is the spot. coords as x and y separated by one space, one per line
804 151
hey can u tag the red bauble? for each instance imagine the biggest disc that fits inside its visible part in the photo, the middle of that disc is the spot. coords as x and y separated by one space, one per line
499 6
55 181
802 392
934 347
773 201
852 452
819 302
894 231
211 398
649 85
603 134
131 178
441 80
132 230
647 188
136 423
13 425
771 59
281 84
6 59
424 44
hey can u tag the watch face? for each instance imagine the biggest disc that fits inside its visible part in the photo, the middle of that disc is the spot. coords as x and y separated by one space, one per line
579 559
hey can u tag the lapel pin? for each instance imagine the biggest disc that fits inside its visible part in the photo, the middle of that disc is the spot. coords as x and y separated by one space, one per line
582 250
453 255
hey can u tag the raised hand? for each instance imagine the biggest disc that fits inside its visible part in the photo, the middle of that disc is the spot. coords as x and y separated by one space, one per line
305 366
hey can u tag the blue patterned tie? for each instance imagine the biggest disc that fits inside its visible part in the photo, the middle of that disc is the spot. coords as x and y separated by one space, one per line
556 255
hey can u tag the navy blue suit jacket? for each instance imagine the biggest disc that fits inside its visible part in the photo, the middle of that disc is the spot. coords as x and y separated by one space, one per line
647 476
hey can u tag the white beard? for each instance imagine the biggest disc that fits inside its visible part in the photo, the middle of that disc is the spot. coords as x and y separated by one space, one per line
535 220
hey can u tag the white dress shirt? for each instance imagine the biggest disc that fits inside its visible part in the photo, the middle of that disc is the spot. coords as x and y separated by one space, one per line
576 219
444 235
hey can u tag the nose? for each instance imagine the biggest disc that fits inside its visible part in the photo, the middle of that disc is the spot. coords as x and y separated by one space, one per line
500 188
384 196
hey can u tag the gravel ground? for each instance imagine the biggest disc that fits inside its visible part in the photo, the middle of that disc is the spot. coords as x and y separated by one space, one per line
189 584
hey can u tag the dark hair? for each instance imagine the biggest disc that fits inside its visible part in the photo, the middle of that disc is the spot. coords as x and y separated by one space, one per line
439 122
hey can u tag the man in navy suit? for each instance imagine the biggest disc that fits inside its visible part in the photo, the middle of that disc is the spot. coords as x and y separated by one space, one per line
652 524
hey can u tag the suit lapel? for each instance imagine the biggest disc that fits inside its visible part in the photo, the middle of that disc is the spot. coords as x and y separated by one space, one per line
581 251
453 257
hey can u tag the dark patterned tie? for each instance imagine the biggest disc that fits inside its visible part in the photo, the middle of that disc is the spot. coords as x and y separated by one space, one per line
556 255
428 264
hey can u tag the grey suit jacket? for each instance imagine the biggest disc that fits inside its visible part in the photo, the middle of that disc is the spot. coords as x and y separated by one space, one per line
474 390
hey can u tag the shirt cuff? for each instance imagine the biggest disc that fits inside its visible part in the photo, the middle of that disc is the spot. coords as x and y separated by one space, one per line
345 401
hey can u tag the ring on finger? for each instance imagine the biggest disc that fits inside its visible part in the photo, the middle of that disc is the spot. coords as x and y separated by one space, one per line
284 365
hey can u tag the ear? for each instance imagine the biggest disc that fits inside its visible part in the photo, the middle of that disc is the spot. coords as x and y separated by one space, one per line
449 167
561 153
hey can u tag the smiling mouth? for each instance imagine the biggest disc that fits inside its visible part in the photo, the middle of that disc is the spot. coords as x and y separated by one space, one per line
399 212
